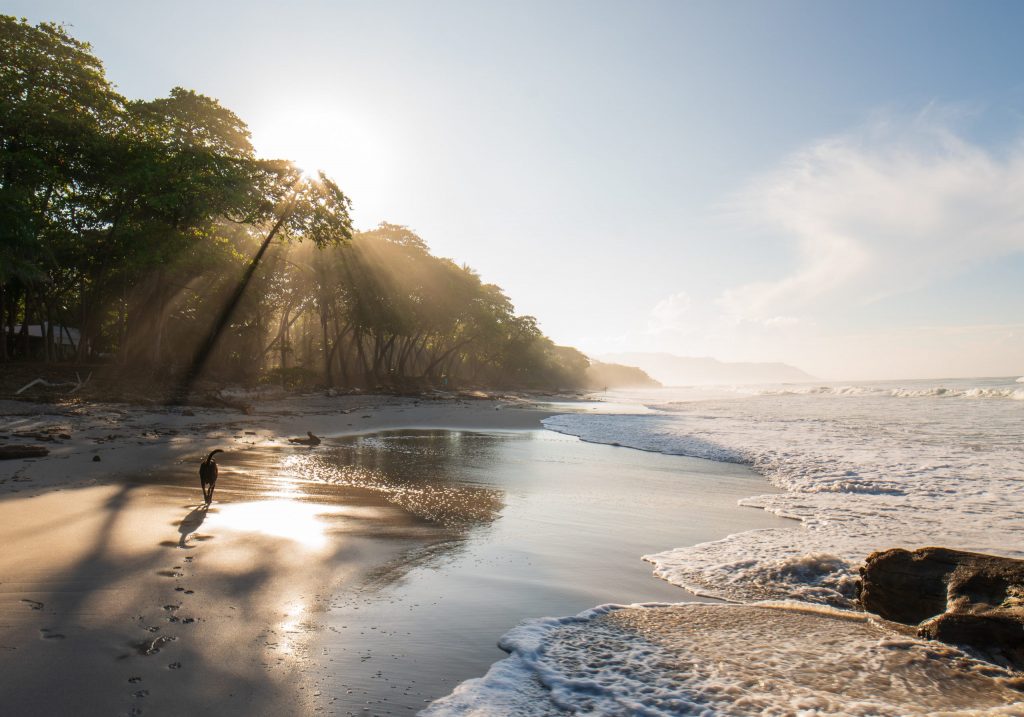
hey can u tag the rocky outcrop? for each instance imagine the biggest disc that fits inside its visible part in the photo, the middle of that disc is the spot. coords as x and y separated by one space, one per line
961 598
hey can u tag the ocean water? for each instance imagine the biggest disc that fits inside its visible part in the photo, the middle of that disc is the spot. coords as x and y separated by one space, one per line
862 467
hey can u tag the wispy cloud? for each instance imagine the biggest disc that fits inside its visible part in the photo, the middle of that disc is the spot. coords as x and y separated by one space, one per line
895 206
887 209
669 314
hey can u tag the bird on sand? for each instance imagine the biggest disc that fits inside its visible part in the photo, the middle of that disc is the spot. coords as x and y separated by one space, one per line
208 475
311 441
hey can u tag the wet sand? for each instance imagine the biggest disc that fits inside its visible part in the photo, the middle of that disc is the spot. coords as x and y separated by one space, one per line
364 576
539 524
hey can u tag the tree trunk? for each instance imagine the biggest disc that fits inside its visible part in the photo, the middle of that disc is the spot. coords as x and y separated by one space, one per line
3 324
328 371
156 357
283 343
367 376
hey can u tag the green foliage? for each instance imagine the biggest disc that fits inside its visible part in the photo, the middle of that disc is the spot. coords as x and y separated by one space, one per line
153 228
55 106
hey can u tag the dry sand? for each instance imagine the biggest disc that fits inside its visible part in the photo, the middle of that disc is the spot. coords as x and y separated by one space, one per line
120 595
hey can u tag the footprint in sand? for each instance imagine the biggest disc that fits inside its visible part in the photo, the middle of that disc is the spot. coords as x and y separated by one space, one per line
171 608
174 666
152 647
134 680
47 634
170 573
140 694
34 604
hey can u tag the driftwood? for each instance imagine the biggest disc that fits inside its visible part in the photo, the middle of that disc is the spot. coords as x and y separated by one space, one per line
21 451
81 383
77 386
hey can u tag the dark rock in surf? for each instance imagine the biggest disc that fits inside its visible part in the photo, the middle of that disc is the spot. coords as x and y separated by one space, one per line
957 597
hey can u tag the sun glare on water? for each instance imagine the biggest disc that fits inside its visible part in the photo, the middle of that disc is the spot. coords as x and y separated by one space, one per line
301 522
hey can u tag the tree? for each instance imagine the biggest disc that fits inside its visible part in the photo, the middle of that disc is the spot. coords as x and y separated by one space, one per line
55 106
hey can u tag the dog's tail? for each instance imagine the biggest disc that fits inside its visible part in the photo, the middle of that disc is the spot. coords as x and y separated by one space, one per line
212 454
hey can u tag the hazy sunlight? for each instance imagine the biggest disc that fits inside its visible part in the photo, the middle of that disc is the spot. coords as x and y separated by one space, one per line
322 137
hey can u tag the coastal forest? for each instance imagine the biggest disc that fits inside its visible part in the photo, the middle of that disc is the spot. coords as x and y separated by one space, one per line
148 236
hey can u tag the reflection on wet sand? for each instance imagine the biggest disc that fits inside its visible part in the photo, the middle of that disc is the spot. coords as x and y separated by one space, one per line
397 484
570 521
413 470
425 546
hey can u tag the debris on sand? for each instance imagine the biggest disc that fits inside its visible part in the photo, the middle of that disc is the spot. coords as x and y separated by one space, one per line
22 451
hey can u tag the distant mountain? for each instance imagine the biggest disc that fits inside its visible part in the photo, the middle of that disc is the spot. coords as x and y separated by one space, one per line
689 371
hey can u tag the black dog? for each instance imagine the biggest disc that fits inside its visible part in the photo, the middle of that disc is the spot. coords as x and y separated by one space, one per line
208 476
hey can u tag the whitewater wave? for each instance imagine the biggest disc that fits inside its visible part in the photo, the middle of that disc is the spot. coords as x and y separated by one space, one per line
739 660
858 472
1016 394
859 476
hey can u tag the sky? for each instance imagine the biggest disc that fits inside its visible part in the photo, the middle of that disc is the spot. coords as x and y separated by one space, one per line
834 185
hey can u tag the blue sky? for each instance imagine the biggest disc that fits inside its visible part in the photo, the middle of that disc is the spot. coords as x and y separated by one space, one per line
831 184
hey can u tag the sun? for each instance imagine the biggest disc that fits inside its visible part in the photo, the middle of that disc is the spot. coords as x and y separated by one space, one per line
346 147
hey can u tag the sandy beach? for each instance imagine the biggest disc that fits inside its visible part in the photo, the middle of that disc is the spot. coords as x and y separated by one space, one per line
121 594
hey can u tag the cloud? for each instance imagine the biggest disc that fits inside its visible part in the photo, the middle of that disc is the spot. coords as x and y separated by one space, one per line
887 209
895 206
670 313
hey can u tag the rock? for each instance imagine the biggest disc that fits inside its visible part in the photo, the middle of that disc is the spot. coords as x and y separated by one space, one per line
95 459
21 451
998 633
961 598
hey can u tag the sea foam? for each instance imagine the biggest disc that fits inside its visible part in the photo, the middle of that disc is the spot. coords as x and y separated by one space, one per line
859 468
736 660
861 472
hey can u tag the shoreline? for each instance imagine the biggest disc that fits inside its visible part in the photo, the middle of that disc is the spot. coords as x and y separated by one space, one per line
132 604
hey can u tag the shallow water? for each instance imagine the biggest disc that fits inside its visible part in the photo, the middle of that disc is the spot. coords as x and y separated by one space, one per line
524 525
861 467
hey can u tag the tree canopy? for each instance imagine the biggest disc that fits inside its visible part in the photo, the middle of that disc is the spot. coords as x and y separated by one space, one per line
148 235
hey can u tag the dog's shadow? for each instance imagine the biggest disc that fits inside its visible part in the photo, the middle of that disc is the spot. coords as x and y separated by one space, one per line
191 523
